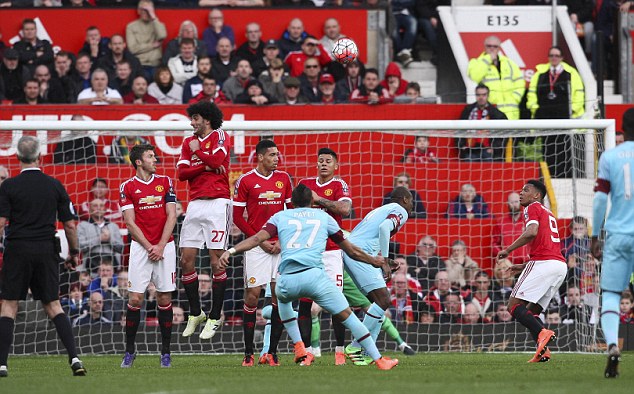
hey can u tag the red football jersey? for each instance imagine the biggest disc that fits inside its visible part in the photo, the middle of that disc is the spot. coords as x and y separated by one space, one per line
335 189
208 183
148 199
262 196
546 245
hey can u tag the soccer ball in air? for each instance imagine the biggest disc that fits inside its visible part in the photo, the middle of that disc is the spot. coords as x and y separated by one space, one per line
345 51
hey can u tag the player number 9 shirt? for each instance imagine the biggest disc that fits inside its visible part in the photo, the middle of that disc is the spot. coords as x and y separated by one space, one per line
148 200
546 245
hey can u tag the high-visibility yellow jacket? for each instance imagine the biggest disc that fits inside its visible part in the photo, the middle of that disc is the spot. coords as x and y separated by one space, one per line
506 87
577 92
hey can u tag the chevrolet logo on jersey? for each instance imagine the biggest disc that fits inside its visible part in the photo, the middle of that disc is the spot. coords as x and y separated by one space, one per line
150 200
270 195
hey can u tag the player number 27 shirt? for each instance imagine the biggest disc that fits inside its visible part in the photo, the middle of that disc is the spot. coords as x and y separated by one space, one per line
148 200
546 245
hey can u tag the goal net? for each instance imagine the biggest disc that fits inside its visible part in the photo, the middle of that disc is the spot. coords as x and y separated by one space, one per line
464 174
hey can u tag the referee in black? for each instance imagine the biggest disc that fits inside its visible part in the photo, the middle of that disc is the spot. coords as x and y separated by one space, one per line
31 203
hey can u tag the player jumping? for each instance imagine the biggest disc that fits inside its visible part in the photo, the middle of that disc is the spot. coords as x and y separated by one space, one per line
545 272
204 162
148 203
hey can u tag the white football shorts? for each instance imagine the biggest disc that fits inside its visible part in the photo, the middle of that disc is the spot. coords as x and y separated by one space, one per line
207 222
539 281
333 264
260 267
142 270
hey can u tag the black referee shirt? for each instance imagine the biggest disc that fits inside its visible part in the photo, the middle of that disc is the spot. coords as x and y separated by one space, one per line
32 202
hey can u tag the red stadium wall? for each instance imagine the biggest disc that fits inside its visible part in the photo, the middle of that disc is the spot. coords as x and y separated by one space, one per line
273 22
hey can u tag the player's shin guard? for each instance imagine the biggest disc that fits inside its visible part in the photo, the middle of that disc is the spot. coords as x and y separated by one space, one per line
373 320
65 334
190 283
304 319
527 319
287 315
315 335
610 316
218 287
276 329
132 320
362 335
340 331
7 325
165 317
391 331
248 327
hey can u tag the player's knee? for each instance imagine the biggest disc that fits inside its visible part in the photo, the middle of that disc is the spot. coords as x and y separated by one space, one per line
266 312
135 300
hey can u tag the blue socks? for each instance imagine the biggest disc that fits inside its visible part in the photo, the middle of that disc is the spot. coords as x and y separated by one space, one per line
610 303
289 318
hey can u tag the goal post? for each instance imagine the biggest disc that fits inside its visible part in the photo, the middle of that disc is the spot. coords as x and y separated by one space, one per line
370 158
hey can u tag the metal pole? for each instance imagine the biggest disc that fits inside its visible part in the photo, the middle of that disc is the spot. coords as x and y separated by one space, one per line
554 21
600 72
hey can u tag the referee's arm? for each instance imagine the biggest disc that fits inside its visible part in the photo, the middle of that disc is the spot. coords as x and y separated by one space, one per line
70 229
3 222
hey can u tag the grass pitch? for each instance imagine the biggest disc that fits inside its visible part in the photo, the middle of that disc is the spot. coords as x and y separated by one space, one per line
462 373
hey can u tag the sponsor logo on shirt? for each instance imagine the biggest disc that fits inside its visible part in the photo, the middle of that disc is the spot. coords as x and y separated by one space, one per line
150 200
270 195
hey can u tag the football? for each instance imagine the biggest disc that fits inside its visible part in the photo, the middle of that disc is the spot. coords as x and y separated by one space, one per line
345 51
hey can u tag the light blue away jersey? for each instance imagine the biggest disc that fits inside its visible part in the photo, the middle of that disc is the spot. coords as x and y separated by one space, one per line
366 234
617 167
303 233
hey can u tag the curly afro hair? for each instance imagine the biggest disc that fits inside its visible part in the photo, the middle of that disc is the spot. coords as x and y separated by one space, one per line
208 111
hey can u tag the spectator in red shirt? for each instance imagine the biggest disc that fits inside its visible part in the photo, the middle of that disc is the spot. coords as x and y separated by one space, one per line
626 308
327 89
99 190
437 295
311 49
139 94
482 297
393 81
404 301
421 152
210 92
370 92
509 228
